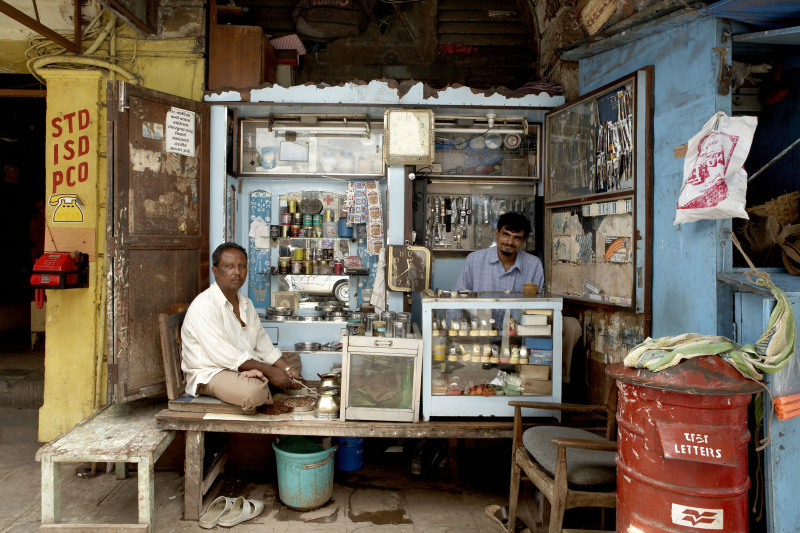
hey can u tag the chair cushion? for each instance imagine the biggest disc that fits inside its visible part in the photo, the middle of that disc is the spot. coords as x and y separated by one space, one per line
584 467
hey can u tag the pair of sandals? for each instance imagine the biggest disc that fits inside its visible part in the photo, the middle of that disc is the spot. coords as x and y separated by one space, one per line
227 512
499 515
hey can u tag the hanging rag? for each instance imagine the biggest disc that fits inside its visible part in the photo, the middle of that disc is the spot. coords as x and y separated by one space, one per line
769 354
378 298
255 224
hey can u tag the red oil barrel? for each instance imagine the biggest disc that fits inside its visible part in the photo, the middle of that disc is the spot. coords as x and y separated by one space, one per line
682 450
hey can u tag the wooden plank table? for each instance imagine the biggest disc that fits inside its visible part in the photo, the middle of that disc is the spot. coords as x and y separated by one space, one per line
197 424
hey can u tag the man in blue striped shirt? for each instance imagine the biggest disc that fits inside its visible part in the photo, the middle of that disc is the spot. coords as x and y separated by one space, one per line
503 267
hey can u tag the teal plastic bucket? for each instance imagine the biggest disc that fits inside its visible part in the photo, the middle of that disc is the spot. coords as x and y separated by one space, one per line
350 453
305 473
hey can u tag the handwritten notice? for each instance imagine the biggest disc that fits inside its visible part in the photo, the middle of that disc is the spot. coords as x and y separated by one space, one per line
180 132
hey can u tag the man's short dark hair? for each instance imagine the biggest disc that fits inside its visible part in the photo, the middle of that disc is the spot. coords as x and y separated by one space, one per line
514 222
221 248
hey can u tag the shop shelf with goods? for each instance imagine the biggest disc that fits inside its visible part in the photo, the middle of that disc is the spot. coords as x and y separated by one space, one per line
478 351
480 172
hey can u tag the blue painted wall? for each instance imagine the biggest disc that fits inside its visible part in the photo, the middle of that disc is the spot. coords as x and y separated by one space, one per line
686 258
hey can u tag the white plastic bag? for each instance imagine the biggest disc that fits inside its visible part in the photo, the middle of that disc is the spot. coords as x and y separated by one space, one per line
714 182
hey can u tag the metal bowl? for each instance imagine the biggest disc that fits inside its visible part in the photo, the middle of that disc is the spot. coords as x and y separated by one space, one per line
279 318
327 307
279 311
341 319
339 313
309 318
307 346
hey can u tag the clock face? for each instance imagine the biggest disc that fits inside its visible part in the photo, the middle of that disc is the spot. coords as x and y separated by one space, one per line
409 268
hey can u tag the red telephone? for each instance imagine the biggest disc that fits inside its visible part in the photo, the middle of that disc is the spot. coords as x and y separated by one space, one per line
59 270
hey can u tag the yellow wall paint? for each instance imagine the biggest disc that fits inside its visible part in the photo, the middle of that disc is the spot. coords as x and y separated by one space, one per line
72 150
75 369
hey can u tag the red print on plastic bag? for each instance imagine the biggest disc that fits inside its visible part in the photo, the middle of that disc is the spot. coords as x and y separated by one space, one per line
707 181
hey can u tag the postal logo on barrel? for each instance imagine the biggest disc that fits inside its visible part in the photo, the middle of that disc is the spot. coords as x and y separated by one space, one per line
696 517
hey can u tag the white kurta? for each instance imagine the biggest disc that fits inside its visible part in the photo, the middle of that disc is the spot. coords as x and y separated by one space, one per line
214 340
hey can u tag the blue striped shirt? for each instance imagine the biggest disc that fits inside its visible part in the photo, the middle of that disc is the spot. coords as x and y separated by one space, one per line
483 272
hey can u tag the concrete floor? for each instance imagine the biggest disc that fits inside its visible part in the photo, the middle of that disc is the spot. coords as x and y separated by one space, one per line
382 497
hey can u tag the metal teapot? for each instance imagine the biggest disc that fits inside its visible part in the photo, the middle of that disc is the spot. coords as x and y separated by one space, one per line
327 405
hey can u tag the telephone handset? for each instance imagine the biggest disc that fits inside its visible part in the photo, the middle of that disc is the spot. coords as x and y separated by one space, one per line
68 208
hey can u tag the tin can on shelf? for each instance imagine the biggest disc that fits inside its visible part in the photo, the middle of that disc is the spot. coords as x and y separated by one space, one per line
388 316
286 219
284 264
295 232
308 253
316 220
353 325
327 254
292 206
315 268
274 231
338 268
325 267
297 219
298 254
317 232
297 267
307 219
379 328
286 231
308 267
318 254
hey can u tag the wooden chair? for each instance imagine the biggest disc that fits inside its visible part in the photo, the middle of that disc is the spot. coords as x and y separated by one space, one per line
170 321
584 477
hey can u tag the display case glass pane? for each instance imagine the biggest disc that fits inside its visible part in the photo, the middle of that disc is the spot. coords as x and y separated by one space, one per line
486 153
306 152
590 145
380 381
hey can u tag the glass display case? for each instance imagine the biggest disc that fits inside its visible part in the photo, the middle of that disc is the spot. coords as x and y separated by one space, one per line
329 145
597 189
381 378
480 151
480 351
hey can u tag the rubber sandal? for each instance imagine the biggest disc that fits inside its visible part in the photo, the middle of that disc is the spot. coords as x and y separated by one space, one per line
242 510
499 515
219 507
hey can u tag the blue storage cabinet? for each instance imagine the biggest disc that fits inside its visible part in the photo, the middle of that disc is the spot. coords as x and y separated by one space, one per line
752 308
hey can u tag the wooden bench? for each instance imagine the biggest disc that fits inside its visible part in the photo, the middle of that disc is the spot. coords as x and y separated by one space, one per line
197 424
121 433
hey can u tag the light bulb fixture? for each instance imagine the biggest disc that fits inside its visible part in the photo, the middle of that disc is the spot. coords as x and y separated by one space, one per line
352 125
490 123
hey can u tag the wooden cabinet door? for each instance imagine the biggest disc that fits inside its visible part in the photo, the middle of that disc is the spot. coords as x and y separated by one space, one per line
157 231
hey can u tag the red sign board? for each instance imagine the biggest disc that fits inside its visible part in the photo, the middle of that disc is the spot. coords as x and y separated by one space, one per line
706 444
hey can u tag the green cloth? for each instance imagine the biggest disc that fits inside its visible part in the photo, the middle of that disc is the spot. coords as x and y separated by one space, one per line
770 353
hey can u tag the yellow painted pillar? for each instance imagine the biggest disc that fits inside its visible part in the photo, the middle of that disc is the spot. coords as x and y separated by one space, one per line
75 221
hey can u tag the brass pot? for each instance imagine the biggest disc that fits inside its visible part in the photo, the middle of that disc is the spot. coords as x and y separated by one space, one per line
327 405
329 380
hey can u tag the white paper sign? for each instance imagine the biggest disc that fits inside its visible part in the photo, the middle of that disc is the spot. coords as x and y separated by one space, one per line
180 131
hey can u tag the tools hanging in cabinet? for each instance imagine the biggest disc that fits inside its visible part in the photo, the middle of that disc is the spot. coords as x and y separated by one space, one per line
467 222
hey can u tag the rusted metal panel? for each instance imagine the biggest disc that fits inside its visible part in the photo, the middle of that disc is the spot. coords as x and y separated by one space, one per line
158 231
682 454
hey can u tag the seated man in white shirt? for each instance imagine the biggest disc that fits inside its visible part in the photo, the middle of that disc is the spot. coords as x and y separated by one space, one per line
226 353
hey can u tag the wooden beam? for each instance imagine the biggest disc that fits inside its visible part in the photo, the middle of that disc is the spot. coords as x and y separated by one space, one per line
29 93
492 28
41 29
483 40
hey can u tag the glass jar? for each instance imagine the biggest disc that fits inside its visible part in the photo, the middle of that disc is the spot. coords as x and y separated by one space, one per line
328 161
346 164
379 328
